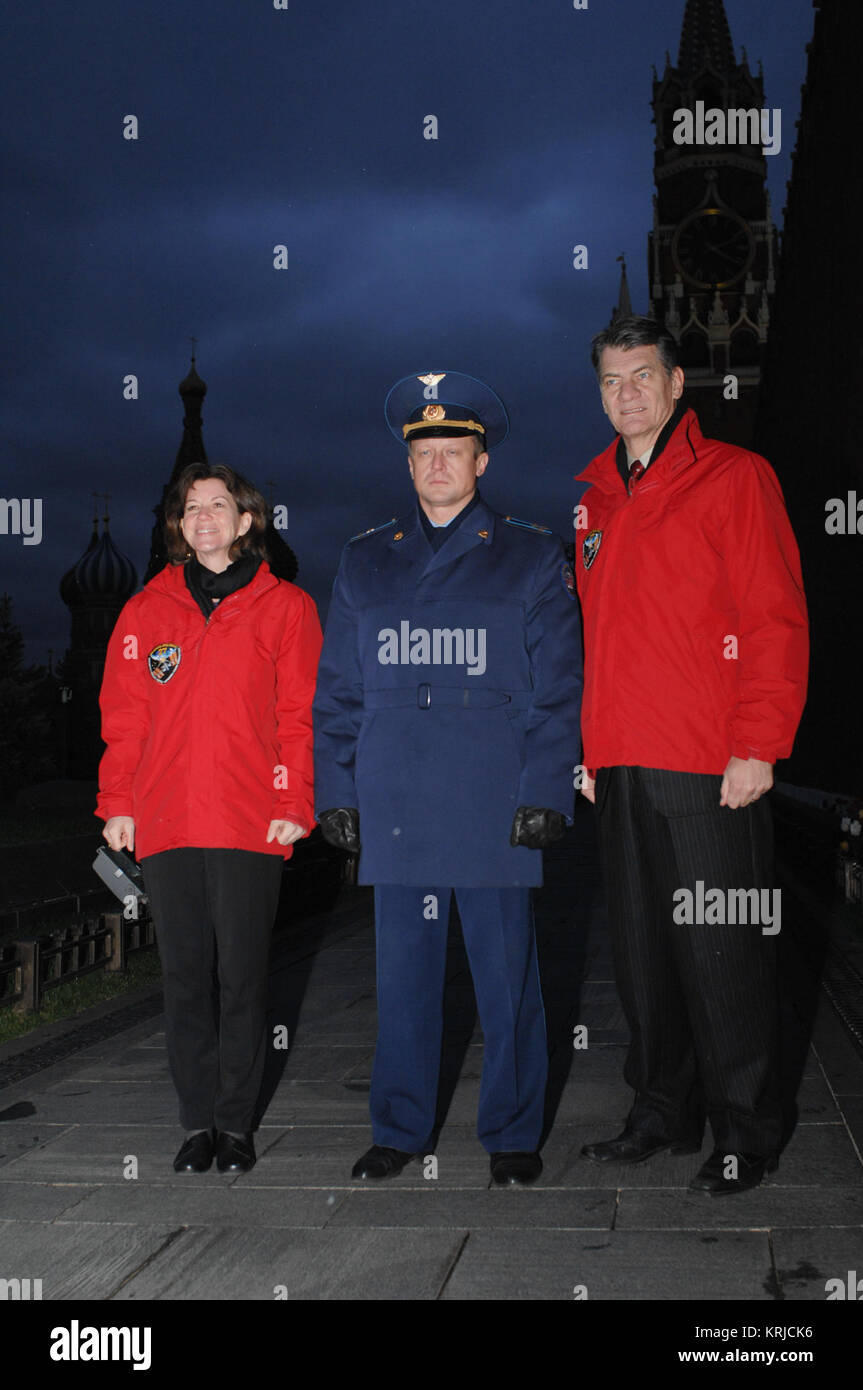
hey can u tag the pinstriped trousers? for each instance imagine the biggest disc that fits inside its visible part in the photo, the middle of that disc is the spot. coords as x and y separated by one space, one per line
700 999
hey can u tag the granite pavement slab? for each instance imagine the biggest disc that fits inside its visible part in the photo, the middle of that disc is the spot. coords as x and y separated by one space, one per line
621 1265
299 1265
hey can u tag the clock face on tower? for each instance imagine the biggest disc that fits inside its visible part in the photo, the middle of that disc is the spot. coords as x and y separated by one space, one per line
712 248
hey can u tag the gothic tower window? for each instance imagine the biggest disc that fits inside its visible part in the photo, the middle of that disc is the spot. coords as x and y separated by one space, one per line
745 350
694 350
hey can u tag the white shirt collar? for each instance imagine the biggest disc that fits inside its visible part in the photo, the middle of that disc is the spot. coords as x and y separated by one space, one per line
645 457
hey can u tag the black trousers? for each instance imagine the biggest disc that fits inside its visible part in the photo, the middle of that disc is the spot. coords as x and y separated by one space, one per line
700 998
213 911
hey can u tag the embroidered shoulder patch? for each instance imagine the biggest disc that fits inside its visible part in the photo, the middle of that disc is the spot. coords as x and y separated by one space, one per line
373 530
528 525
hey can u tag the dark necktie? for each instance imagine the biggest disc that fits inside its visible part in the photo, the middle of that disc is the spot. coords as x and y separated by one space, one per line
635 472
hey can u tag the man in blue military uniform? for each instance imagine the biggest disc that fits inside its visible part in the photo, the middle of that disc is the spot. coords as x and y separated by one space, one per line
446 732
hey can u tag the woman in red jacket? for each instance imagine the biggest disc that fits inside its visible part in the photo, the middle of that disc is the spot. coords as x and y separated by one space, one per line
207 776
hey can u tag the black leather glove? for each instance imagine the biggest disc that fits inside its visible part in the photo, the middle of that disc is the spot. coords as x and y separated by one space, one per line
341 828
535 827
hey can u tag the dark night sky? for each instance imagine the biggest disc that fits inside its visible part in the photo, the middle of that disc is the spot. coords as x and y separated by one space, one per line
305 127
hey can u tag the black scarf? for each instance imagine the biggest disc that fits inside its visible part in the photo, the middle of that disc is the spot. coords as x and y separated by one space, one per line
208 589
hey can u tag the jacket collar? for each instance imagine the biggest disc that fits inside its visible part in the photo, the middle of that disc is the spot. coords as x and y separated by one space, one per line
409 538
172 581
685 447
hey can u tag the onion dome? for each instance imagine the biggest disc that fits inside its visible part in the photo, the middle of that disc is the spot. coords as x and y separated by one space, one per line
105 571
102 572
69 592
192 385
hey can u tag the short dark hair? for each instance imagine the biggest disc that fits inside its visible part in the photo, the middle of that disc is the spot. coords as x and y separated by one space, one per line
247 498
632 332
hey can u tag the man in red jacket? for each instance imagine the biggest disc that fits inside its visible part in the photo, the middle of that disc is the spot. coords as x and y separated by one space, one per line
696 655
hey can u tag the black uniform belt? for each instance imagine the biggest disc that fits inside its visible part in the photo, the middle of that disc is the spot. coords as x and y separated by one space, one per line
425 696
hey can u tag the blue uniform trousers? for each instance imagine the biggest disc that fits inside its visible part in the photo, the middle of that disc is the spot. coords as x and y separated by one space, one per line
498 930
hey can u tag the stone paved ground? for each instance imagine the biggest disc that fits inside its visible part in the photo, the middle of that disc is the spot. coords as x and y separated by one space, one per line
298 1224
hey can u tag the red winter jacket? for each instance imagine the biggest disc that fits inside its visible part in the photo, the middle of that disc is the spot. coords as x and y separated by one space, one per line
695 631
208 723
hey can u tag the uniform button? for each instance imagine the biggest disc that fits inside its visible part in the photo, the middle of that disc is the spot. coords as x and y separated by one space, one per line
399 535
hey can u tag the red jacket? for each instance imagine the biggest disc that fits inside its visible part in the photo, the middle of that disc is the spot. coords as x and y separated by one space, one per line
208 724
695 630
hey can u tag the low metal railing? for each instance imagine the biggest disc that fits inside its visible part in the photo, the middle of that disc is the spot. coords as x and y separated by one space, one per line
32 966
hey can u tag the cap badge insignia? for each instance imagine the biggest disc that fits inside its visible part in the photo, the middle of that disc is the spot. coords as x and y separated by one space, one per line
431 378
434 412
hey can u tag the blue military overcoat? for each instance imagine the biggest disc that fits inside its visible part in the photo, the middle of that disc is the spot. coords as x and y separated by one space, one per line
448 695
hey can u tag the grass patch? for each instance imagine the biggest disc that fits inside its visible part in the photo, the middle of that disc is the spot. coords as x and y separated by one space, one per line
73 998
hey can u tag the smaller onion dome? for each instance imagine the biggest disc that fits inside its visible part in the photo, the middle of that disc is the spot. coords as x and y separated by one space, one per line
192 385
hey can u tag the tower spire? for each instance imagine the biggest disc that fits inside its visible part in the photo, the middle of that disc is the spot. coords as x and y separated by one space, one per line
623 308
710 250
192 392
705 37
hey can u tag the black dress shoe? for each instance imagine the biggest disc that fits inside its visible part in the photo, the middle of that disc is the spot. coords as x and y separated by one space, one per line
235 1153
195 1154
381 1162
750 1169
632 1147
515 1166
